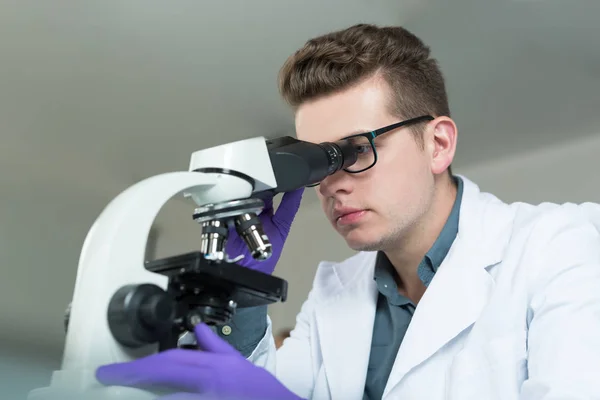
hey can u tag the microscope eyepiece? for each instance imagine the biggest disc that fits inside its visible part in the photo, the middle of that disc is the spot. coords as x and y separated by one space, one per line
340 155
297 163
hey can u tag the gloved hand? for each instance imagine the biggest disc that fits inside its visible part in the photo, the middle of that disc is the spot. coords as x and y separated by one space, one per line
275 225
218 371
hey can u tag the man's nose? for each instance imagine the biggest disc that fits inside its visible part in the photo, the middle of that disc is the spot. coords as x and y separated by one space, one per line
340 182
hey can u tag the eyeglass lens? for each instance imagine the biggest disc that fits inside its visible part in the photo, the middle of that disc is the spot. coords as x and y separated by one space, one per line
365 151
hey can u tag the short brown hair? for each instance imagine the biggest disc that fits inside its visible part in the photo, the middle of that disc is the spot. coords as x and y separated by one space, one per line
336 61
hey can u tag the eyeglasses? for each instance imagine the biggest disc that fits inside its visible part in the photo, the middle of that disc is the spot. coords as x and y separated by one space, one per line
365 144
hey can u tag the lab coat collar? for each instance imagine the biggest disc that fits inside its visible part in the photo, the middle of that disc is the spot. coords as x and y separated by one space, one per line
452 302
345 326
462 286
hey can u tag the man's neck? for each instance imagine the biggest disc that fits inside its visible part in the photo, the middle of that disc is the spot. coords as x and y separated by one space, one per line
407 255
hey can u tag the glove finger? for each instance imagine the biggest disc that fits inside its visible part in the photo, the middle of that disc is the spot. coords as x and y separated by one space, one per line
268 200
235 244
288 208
209 341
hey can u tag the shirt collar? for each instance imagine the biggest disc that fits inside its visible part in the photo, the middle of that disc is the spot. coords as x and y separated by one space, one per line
444 242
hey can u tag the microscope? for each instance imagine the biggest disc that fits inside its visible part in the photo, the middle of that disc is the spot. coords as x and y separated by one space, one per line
125 307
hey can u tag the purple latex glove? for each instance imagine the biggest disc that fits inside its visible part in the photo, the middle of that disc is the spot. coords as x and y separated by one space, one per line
217 372
276 226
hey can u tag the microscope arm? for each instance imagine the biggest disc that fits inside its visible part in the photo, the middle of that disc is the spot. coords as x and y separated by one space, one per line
113 256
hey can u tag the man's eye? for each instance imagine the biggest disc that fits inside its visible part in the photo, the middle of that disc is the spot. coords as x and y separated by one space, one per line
363 148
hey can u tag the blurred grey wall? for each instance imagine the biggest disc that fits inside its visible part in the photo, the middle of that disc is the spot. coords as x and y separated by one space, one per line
95 95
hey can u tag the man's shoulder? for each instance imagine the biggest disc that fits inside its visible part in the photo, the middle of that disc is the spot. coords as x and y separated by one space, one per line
532 241
547 220
518 215
535 227
549 238
493 213
564 226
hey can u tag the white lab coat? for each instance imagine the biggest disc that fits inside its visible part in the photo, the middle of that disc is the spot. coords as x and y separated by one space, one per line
512 313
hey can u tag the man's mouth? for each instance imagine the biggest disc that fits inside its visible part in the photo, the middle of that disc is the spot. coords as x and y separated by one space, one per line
348 215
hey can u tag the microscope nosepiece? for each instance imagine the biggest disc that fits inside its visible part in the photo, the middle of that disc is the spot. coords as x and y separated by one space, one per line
249 227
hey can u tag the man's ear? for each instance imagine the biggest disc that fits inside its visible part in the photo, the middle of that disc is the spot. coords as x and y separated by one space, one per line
442 137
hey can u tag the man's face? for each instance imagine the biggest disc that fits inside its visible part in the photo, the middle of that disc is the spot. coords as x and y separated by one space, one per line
373 209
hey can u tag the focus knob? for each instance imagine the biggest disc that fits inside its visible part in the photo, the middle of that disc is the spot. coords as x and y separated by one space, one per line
139 315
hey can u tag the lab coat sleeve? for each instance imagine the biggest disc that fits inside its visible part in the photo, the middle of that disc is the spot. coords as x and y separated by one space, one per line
292 364
564 311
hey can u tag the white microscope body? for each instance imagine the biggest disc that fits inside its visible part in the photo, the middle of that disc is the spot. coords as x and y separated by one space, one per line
114 249
113 254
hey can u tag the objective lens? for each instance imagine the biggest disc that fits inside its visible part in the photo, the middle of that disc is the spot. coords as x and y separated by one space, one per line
212 240
250 229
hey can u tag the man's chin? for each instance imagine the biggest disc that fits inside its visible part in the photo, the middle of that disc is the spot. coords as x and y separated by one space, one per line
362 243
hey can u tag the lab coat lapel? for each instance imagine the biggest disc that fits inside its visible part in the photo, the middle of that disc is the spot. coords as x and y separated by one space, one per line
459 291
345 326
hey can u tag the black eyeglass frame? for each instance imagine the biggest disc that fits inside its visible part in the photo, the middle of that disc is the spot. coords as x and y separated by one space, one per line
370 136
378 132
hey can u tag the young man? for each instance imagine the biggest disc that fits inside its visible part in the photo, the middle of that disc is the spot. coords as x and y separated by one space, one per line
453 294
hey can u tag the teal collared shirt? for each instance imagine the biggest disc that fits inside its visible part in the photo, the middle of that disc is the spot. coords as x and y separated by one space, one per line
394 311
